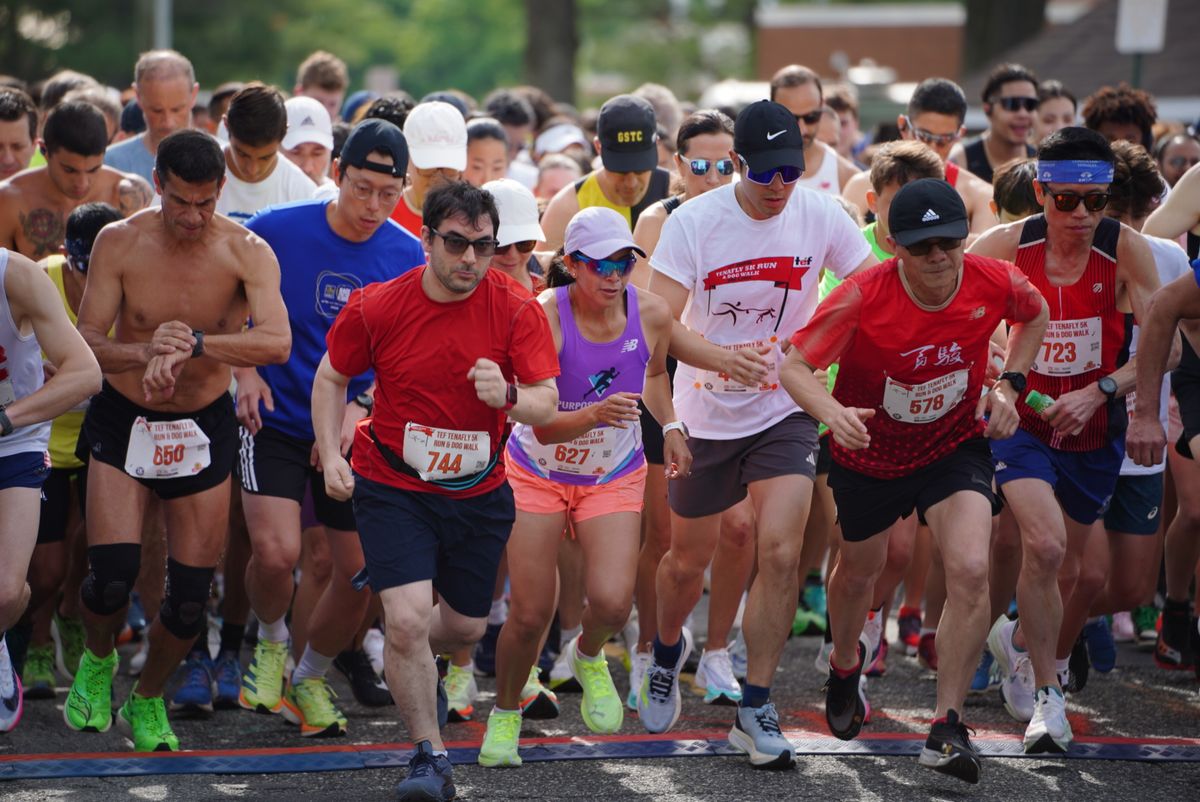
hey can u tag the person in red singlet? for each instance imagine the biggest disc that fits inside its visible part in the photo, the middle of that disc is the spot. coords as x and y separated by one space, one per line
1059 471
909 418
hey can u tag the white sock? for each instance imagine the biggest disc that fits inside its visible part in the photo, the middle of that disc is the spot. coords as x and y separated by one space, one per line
275 632
312 665
1062 665
569 635
499 709
499 612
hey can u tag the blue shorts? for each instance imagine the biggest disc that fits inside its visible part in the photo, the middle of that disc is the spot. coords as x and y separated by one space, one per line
27 469
456 542
1136 505
1083 481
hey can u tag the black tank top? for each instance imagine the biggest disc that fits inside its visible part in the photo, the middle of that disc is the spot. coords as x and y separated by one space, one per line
1189 362
977 160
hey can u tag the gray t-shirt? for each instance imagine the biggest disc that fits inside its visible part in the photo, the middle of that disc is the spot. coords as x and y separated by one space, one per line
131 156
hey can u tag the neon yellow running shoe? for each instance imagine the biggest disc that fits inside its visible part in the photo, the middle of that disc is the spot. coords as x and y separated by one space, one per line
309 703
143 720
89 703
262 684
499 747
601 707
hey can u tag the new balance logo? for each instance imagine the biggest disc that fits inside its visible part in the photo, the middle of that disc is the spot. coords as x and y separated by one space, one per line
629 346
929 216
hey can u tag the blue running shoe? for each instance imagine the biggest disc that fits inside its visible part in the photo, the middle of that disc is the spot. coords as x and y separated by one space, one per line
227 676
194 694
135 617
756 733
430 777
985 677
1101 647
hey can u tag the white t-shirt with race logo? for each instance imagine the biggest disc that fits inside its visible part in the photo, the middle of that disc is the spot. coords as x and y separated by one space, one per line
240 201
752 282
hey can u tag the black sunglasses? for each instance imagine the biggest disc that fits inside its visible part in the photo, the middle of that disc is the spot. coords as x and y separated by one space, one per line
1018 103
923 247
456 244
812 118
525 246
1069 201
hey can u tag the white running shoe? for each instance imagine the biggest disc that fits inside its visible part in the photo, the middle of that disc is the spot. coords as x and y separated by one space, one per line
1122 628
138 660
1049 730
872 635
561 678
821 663
714 676
373 645
737 655
637 670
1016 672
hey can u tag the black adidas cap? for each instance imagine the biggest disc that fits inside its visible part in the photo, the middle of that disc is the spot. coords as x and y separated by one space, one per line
927 208
767 136
375 134
628 133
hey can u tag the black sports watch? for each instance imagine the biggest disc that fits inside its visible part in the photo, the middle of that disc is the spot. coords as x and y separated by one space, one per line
198 348
6 427
365 401
1017 380
1108 386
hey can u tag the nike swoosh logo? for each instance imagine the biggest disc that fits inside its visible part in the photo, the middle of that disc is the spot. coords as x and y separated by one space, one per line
777 133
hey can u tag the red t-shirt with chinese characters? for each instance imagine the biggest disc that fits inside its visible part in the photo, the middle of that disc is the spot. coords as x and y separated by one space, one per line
421 351
922 371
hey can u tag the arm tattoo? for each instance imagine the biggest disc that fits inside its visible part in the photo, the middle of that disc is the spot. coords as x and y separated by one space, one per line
45 230
134 194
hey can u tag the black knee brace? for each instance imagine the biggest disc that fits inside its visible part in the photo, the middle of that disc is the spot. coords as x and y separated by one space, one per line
113 570
187 593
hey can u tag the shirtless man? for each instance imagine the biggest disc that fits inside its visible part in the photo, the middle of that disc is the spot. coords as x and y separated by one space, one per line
193 272
34 205
799 90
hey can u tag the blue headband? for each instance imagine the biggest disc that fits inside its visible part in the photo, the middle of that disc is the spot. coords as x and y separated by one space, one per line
1075 171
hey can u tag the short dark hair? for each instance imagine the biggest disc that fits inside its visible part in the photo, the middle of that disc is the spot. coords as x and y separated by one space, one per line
77 126
218 104
394 108
1048 90
1003 74
486 128
509 108
1074 142
15 104
795 75
192 156
256 115
459 199
63 81
938 96
1122 104
84 222
1136 181
341 132
699 123
1012 187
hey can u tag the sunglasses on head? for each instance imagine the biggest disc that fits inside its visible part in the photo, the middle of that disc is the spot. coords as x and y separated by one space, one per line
789 173
923 247
930 138
1069 201
604 268
812 118
456 244
1018 103
702 166
525 246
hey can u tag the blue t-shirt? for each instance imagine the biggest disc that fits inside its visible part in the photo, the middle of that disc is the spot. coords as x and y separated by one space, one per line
131 156
318 271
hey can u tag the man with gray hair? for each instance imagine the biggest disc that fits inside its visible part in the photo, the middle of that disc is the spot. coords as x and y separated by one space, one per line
166 90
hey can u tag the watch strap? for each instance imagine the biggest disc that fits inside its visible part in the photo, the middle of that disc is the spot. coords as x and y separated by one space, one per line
198 348
6 427
510 397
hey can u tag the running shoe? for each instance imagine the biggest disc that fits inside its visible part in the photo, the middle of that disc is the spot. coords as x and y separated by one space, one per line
637 670
137 661
1122 628
194 694
877 645
810 612
659 700
38 677
629 639
227 681
368 688
1016 672
1078 667
484 655
1101 648
909 621
89 702
1145 623
309 703
441 700
262 684
756 733
1049 730
537 701
430 777
373 643
12 697
845 702
561 679
927 651
135 616
601 706
738 658
461 691
143 720
501 740
1173 651
987 674
948 749
821 663
69 638
715 677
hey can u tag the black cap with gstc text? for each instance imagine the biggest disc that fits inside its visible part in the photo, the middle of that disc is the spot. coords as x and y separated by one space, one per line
927 208
766 135
371 135
627 130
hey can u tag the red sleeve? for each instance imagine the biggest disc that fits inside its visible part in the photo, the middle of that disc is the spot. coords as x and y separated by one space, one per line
349 340
1025 301
823 340
533 355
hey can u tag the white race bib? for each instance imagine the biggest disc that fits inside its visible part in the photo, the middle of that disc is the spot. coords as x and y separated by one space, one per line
926 402
445 453
717 382
1069 348
596 453
166 449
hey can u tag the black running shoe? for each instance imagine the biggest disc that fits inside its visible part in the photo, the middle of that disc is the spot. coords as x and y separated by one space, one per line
1079 665
845 708
948 750
1174 648
368 688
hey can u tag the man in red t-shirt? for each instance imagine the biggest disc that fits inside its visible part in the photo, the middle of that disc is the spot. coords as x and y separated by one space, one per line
909 420
457 349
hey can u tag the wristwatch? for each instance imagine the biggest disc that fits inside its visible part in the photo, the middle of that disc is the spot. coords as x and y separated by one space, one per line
6 427
678 426
365 401
1017 380
1108 386
198 348
510 398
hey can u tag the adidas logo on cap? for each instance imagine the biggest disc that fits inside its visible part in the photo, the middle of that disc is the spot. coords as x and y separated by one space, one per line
929 216
308 121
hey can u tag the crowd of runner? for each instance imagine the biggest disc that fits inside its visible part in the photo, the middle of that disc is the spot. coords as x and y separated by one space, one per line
429 390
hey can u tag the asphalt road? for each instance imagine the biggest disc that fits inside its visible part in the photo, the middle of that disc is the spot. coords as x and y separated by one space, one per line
1134 701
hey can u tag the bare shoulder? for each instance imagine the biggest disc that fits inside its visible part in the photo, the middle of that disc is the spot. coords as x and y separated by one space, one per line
24 281
654 311
999 242
132 193
656 214
974 186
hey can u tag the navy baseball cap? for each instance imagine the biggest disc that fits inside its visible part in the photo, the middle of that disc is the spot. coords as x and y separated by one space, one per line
628 132
767 136
371 135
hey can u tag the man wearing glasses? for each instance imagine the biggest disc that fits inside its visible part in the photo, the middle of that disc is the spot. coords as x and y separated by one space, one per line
326 251
1059 470
743 260
909 423
1010 101
798 89
457 349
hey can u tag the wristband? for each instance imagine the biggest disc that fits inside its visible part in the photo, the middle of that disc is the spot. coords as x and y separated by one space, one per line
198 348
6 427
510 398
676 426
